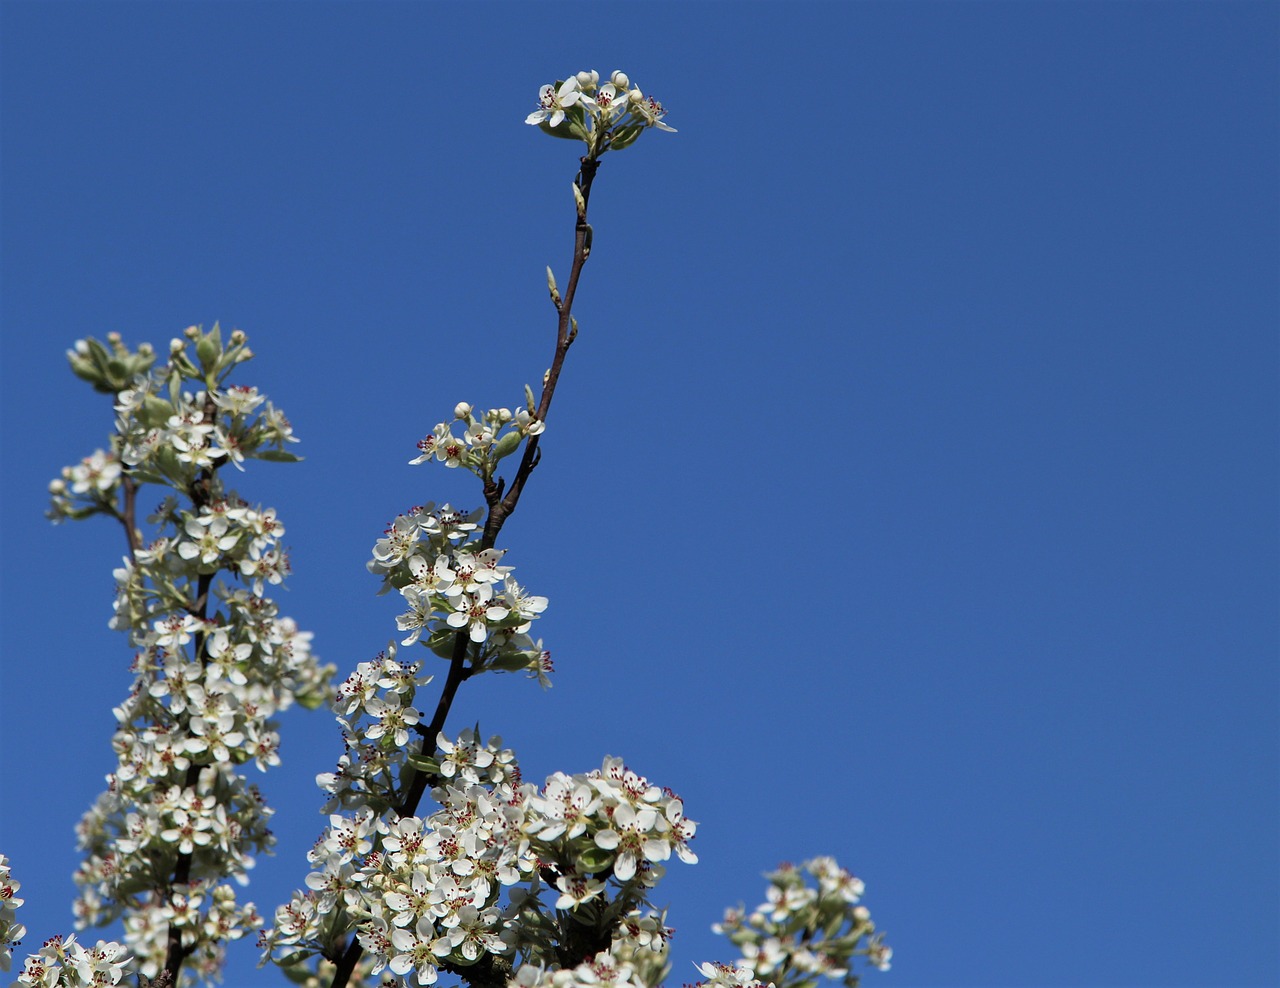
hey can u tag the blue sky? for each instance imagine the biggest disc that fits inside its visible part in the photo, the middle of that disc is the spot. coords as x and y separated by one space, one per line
910 494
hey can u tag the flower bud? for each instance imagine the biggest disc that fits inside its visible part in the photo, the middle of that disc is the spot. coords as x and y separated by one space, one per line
588 79
191 332
114 338
176 345
238 337
462 410
507 445
619 79
57 486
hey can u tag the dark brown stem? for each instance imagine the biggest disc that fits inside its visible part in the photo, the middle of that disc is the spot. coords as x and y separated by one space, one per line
490 971
500 511
129 516
176 954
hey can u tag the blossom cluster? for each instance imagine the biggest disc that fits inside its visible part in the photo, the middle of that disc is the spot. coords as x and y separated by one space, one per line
608 116
804 932
380 729
215 662
740 975
575 859
11 931
64 963
456 589
487 437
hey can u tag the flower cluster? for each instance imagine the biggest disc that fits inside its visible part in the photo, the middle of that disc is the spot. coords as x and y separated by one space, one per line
575 860
729 976
485 440
215 661
803 933
380 728
64 963
11 931
604 970
607 116
458 592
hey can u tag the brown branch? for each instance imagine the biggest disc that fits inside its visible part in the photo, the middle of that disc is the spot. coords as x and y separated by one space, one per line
199 492
500 511
489 972
128 517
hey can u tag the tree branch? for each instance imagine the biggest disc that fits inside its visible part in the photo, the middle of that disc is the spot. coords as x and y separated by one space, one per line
492 972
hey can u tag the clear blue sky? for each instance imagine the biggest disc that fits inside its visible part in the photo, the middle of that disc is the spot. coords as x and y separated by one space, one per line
909 496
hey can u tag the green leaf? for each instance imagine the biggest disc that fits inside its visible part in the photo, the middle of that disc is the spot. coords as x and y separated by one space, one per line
595 859
277 456
424 763
624 137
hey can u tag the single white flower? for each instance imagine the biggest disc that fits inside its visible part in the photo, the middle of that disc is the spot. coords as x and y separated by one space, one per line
649 110
477 609
553 102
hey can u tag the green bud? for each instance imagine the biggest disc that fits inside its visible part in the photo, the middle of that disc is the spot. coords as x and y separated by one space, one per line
109 371
551 287
506 445
209 349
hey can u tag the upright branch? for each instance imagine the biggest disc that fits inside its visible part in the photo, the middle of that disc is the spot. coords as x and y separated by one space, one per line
465 607
214 662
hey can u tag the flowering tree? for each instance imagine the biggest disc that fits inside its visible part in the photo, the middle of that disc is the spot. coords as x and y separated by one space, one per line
438 858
